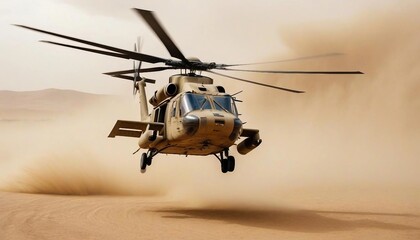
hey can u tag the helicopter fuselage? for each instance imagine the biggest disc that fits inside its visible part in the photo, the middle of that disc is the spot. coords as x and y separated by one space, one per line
201 119
200 133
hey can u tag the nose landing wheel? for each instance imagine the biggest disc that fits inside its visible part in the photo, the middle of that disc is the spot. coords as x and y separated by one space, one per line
227 162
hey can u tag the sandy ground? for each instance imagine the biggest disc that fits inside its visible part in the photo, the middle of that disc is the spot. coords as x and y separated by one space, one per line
37 216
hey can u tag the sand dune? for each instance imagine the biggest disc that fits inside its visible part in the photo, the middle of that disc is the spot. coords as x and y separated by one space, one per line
45 104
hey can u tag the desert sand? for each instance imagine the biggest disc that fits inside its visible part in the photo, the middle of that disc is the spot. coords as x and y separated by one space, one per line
37 216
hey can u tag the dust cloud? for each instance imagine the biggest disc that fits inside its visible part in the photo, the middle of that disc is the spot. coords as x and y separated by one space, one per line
71 154
348 134
349 137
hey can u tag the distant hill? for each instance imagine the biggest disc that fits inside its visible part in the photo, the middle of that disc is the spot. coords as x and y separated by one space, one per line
45 104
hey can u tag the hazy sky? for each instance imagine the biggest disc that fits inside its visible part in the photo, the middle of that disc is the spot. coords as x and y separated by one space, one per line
221 31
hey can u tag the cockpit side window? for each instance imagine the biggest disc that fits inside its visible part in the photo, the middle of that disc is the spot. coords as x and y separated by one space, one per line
162 112
183 107
159 113
184 104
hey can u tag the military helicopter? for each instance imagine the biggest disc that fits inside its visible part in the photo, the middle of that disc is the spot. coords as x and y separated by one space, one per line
191 115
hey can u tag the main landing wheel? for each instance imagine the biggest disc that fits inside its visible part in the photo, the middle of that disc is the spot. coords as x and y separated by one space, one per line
227 163
143 162
224 165
230 163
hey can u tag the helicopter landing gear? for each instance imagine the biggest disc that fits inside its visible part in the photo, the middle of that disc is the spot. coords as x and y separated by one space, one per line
145 160
231 163
227 162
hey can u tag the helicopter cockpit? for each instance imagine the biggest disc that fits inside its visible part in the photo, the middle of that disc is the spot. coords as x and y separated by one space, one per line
190 102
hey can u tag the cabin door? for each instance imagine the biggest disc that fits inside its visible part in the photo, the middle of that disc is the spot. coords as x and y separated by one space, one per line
159 116
174 128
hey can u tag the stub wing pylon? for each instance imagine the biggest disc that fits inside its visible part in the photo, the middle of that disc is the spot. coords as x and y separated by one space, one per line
133 128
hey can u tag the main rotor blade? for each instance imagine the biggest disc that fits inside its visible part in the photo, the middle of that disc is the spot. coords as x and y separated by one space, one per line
143 70
286 60
113 54
132 78
293 72
257 83
130 54
150 18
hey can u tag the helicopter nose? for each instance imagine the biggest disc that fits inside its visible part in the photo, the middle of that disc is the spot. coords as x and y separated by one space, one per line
191 124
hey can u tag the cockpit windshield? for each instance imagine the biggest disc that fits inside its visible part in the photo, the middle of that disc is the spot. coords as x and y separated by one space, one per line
224 103
190 102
